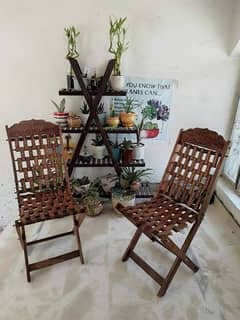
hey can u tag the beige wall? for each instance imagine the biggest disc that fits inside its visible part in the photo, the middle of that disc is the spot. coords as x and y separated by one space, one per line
186 40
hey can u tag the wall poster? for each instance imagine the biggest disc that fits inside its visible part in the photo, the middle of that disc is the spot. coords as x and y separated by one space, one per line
153 99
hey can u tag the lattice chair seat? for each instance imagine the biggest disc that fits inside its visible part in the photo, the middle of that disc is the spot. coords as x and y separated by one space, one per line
47 205
160 216
181 201
42 185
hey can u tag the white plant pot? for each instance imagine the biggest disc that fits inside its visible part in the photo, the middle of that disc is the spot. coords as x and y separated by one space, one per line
138 152
98 152
117 83
125 200
84 118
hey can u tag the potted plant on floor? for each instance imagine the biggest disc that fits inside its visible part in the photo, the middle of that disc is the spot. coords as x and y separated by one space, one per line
91 200
129 183
113 119
73 120
71 34
84 113
128 117
118 45
80 185
60 116
127 150
98 147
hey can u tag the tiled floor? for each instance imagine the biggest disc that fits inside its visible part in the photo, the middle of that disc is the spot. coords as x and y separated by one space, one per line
107 289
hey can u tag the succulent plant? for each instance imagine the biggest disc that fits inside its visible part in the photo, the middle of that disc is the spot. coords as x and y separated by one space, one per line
85 108
129 107
98 141
126 144
61 107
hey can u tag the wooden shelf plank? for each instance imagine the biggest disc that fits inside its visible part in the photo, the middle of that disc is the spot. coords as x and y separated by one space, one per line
107 163
73 92
96 130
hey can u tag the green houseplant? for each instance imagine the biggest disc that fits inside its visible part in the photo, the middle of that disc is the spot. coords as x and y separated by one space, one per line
98 147
117 46
60 115
84 113
128 116
80 185
127 150
71 34
90 198
113 118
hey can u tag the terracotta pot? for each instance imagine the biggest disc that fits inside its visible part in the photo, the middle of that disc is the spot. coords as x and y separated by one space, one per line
135 186
61 118
113 121
74 122
128 119
127 155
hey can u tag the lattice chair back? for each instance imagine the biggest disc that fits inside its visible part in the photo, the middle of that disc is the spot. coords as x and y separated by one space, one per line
193 167
36 148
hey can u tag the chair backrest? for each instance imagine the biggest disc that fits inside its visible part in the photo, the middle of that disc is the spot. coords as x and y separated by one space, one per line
193 167
36 148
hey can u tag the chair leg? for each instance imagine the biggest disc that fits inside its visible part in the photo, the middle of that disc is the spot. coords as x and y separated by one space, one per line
23 241
76 232
132 244
179 259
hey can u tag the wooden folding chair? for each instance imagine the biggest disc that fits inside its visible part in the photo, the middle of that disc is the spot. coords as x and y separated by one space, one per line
182 199
42 185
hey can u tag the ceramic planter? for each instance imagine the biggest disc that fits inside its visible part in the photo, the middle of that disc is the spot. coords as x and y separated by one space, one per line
128 119
117 83
61 118
74 122
138 152
127 155
99 152
113 121
150 133
116 153
121 196
84 118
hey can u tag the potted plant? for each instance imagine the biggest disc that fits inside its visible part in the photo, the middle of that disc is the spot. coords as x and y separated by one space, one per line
116 151
130 177
84 113
73 120
71 33
126 197
80 185
128 117
138 150
113 119
127 150
90 199
60 116
85 156
101 113
117 46
98 147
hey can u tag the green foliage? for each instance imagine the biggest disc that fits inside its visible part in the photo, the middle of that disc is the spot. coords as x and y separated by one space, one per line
112 110
98 141
80 182
149 112
126 144
85 108
118 44
129 106
71 33
150 126
92 193
61 107
131 174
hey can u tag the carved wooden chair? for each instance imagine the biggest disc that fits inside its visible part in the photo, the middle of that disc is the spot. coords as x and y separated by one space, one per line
181 201
42 185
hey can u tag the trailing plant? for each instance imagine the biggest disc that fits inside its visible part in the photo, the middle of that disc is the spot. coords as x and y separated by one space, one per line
61 107
118 44
85 108
129 107
98 141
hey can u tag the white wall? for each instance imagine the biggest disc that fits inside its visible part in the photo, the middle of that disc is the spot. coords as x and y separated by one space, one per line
235 37
185 40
